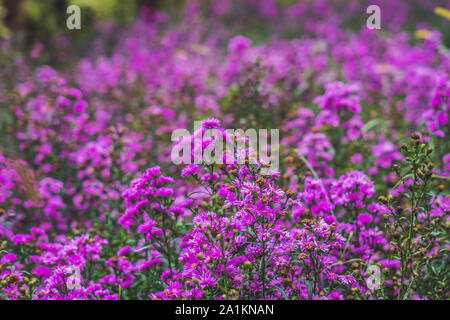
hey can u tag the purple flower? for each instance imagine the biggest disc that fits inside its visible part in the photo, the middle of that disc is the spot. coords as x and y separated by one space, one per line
189 170
8 258
357 158
239 44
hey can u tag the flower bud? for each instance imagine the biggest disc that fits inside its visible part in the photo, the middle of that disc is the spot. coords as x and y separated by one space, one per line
289 193
382 199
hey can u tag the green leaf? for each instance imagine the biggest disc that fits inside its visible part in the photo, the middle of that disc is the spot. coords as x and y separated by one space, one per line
309 286
282 292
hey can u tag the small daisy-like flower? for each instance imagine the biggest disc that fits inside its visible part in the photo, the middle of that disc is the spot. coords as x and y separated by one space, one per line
347 279
189 170
211 123
165 192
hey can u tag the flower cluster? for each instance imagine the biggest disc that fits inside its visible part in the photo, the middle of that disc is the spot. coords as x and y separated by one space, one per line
93 205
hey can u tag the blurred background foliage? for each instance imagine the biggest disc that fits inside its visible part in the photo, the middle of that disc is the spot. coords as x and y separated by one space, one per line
38 19
27 22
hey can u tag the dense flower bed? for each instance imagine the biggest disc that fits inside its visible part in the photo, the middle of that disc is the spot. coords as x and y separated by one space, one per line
93 208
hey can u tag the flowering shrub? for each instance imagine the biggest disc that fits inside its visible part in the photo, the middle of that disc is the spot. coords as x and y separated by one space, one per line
91 206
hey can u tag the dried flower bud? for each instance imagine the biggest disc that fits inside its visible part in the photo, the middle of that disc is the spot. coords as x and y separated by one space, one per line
289 193
415 136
